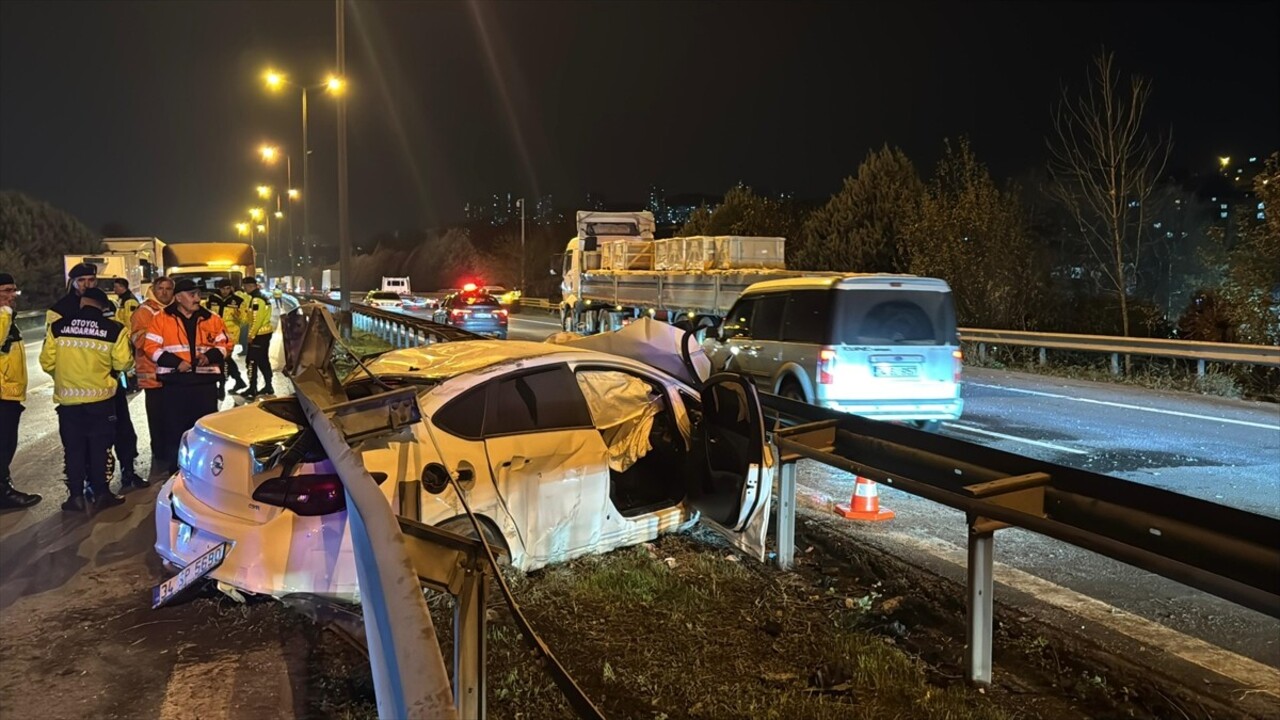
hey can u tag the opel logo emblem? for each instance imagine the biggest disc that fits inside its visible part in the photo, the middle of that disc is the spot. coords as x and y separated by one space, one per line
216 467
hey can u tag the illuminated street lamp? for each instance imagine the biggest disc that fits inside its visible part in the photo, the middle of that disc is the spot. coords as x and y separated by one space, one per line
294 194
242 228
334 85
255 213
262 228
279 215
264 191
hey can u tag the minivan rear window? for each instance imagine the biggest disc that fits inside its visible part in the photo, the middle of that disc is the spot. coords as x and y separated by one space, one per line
894 317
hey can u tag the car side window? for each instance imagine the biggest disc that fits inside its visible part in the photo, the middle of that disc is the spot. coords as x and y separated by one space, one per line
808 317
738 322
766 322
463 416
536 402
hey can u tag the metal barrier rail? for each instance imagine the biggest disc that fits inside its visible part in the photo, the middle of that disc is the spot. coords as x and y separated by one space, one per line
1225 551
397 328
1201 352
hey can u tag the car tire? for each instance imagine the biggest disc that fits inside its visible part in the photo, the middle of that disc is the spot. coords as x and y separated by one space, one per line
462 526
791 390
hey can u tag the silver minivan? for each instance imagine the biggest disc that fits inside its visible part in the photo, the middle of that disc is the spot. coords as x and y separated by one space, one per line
880 346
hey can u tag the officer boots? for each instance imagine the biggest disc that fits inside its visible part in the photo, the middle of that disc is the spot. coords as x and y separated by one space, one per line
13 499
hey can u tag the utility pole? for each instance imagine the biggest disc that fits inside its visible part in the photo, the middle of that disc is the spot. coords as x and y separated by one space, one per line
523 261
344 238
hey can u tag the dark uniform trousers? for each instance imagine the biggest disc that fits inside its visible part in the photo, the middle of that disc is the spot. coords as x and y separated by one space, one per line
10 411
126 439
184 404
258 360
156 423
87 432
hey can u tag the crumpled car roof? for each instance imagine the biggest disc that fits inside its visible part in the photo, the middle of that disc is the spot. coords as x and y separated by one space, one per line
441 361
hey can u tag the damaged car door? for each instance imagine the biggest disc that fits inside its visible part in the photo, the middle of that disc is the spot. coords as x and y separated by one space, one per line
732 467
548 461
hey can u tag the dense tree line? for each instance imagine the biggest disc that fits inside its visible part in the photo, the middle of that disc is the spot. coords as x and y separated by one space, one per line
34 236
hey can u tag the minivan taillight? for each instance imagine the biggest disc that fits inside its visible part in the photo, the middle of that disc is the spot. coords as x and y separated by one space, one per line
304 494
826 366
958 355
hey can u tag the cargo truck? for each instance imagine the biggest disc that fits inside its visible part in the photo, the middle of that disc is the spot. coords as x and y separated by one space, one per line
208 263
877 345
138 260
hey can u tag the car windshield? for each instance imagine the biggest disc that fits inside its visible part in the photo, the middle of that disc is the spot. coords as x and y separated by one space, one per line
384 296
894 317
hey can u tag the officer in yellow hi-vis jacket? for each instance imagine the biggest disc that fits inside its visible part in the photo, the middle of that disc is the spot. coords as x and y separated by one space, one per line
230 306
258 317
85 352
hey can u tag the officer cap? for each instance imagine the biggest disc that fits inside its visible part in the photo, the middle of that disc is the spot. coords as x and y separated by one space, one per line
82 270
185 285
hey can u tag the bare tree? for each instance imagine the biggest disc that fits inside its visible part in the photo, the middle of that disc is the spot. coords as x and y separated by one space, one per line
1105 170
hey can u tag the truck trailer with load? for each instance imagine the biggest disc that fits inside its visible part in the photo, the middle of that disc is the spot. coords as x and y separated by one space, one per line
878 345
208 263
137 260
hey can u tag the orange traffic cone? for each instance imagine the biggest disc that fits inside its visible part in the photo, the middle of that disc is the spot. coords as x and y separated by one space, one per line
865 503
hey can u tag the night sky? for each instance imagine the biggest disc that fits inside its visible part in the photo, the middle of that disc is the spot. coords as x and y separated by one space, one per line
149 114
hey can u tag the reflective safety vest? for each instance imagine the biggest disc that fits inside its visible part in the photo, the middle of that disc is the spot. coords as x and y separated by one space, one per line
174 338
258 315
231 310
13 359
84 352
139 324
126 306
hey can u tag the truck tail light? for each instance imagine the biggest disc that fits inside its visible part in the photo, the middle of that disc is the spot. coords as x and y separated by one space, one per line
958 356
826 366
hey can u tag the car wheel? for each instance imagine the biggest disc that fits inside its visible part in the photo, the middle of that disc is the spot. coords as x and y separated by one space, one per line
930 426
462 526
791 390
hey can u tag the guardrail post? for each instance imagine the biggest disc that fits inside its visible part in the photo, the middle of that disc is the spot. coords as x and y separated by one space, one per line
1200 368
469 648
1043 353
1115 363
982 352
787 517
981 625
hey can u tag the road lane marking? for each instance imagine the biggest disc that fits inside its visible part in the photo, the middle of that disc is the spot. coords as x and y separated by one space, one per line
1014 438
1245 671
1126 406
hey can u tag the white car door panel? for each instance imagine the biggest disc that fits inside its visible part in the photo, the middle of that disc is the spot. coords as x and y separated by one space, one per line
732 470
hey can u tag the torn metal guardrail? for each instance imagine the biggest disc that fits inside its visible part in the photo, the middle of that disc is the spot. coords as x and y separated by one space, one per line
408 668
1224 551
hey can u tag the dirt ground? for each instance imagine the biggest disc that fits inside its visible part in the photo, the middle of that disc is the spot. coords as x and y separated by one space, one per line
681 628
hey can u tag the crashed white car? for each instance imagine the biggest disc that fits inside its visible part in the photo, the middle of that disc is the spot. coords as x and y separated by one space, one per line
562 451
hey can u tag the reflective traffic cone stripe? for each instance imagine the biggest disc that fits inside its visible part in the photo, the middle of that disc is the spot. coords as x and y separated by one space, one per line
864 504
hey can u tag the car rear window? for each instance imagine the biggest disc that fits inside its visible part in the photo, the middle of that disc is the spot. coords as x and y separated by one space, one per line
894 317
472 299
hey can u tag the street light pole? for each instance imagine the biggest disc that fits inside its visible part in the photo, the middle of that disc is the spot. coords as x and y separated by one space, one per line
344 238
523 261
306 182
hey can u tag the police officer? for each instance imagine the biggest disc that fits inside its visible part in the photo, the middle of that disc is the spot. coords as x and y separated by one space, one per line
126 302
13 391
229 306
81 277
258 318
125 442
85 352
187 344
160 297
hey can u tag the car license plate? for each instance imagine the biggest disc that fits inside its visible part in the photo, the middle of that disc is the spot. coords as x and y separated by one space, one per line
195 570
897 371
482 316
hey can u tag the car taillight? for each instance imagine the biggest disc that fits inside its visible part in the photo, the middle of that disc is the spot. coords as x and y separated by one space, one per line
826 366
502 317
958 355
459 313
304 494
